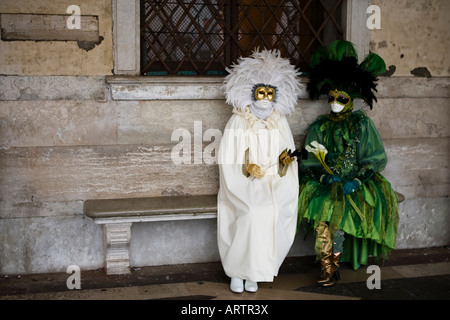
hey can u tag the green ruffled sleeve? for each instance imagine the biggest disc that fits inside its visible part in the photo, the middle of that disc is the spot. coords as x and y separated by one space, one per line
370 154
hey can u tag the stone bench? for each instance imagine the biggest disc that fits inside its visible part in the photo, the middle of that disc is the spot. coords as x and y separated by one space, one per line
117 216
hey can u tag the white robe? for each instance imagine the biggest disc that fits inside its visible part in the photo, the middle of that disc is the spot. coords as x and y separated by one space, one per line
257 217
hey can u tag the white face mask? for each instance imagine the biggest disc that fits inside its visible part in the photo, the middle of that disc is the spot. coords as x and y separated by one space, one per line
264 104
337 107
262 109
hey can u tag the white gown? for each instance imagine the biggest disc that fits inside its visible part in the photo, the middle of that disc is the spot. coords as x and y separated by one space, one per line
257 217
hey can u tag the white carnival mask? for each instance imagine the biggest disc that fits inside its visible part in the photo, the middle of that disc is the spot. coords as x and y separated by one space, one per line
264 104
337 107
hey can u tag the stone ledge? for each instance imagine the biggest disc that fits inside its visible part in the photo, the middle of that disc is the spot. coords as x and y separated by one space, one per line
193 88
30 88
178 88
151 209
167 88
156 88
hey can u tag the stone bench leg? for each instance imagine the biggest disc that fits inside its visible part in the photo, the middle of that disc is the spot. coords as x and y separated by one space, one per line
116 239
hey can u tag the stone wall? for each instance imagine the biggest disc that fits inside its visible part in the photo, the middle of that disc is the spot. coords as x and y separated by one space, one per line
413 113
42 58
69 131
413 38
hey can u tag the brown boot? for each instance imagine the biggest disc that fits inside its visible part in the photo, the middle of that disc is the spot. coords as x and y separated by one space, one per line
330 269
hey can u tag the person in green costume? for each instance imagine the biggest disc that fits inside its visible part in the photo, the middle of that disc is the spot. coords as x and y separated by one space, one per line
351 206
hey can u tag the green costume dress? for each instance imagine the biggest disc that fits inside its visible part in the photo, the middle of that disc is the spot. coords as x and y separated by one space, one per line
355 150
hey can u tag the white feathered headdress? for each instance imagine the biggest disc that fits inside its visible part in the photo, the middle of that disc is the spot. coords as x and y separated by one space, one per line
263 67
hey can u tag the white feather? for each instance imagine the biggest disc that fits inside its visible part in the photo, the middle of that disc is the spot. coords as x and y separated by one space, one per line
268 67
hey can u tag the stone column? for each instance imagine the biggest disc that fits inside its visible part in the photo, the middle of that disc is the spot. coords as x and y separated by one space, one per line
126 32
117 237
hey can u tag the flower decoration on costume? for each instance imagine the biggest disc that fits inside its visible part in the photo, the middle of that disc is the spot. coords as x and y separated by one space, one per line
320 152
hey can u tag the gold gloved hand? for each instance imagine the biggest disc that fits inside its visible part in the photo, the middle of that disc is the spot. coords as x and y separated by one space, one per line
255 170
285 158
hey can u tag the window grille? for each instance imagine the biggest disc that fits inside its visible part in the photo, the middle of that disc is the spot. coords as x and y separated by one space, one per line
203 37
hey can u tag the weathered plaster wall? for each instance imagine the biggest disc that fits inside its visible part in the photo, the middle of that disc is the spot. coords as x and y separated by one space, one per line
414 37
65 139
413 112
58 57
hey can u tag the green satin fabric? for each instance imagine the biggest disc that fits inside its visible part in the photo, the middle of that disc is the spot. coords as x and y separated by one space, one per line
355 150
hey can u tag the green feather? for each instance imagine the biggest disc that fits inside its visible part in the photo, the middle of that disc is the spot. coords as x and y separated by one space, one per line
374 64
339 49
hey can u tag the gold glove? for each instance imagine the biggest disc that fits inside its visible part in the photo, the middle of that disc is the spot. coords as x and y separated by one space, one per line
285 158
255 170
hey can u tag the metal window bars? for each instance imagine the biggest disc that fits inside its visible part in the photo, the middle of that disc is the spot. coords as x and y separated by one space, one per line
203 37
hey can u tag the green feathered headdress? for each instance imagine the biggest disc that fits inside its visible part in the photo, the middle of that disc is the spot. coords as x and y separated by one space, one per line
336 67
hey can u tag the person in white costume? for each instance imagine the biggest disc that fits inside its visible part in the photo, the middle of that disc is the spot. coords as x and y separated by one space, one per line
258 193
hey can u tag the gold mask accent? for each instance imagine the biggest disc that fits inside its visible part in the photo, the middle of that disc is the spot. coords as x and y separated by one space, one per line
340 97
265 92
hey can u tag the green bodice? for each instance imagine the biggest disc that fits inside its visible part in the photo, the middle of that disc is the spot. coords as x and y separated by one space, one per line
355 149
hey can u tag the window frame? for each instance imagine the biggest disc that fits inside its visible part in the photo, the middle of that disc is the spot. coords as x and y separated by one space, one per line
126 83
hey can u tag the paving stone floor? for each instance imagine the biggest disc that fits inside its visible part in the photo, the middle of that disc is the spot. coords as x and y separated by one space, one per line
409 275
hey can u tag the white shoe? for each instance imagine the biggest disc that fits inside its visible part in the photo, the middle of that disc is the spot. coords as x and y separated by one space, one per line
237 285
251 286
